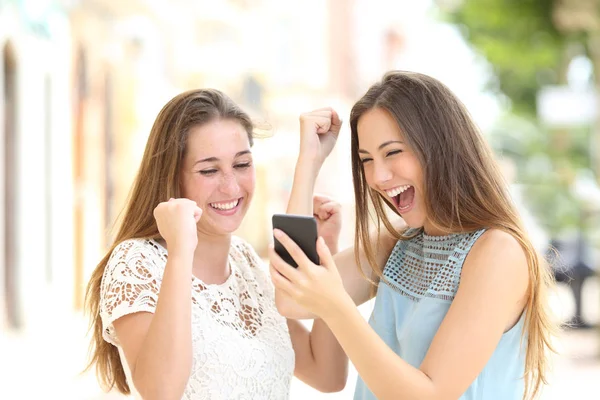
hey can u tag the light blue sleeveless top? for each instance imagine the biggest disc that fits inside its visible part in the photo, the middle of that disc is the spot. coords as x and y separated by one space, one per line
421 279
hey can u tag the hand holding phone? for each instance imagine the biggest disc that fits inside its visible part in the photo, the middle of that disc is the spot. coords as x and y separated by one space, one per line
302 229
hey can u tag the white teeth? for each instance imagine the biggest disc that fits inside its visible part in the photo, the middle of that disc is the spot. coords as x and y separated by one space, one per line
225 206
396 191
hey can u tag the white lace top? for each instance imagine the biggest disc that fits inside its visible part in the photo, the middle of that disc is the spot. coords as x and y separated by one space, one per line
241 345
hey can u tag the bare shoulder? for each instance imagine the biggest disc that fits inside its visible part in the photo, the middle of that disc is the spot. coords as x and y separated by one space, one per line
497 258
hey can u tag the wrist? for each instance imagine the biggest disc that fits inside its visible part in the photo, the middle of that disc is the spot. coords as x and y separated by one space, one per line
341 312
180 254
308 165
332 245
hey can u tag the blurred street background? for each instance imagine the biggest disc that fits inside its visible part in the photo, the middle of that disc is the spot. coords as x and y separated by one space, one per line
83 80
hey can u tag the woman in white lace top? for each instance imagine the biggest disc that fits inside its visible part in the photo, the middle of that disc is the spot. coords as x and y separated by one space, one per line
182 309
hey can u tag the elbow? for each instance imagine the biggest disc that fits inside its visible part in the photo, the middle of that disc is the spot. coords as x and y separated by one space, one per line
161 395
332 386
160 391
335 386
159 388
335 382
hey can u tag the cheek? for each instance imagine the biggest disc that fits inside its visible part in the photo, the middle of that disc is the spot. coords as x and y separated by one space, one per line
198 188
247 181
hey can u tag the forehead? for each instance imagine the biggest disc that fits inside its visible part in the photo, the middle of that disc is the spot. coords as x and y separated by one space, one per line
376 126
218 137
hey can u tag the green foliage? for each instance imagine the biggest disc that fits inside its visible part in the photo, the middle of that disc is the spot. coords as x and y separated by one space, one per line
547 164
519 40
526 52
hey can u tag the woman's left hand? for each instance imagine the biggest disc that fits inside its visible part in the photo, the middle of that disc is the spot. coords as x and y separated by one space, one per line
317 288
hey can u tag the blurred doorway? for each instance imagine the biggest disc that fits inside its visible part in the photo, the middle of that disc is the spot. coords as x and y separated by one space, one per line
11 275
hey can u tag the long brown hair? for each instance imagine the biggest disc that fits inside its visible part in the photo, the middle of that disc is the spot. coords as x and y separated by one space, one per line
464 191
157 180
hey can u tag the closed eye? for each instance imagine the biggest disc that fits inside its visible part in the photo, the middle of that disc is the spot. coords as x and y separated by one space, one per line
393 153
365 160
243 165
208 172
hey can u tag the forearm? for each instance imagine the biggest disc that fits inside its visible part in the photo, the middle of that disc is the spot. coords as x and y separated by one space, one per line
370 355
301 196
300 203
331 362
164 363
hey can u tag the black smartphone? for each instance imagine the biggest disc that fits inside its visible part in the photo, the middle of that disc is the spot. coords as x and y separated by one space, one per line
302 229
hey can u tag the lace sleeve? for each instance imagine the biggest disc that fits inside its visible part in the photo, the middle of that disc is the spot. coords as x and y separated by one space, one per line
130 284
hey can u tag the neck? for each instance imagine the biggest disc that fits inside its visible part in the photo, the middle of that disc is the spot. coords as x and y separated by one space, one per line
211 258
434 231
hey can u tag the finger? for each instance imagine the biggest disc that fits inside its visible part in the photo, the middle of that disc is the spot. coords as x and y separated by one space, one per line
319 199
327 210
336 121
327 114
280 282
283 268
332 207
292 248
323 109
323 215
324 254
323 124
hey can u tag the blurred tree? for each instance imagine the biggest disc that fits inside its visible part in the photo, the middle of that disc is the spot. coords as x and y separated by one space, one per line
529 45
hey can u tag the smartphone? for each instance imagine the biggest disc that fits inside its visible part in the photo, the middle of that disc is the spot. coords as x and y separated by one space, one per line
302 229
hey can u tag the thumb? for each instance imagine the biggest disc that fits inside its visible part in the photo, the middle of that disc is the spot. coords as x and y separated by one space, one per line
197 213
336 122
324 254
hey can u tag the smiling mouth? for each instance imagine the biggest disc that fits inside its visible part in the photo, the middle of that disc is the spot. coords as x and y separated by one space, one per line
226 205
402 196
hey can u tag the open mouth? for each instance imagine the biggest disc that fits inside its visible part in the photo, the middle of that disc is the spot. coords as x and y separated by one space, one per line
226 207
403 197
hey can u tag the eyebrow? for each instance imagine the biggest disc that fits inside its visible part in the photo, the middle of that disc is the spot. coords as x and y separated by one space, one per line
213 159
382 145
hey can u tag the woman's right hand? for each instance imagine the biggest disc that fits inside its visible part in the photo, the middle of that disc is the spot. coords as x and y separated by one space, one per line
176 220
319 130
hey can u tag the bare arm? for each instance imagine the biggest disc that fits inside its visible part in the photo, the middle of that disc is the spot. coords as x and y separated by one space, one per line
158 347
359 288
320 360
490 299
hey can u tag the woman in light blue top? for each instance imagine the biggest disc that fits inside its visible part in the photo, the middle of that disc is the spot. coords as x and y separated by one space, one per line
461 308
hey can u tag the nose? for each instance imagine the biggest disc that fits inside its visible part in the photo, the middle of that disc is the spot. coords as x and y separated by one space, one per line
381 173
229 185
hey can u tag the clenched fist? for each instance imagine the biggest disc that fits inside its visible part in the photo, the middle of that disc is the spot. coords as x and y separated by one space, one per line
176 220
319 130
